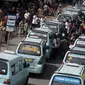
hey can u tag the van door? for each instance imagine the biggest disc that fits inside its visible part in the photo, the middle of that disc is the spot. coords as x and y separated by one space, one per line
44 54
18 73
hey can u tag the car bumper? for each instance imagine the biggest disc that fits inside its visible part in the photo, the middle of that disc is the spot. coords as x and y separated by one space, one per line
36 69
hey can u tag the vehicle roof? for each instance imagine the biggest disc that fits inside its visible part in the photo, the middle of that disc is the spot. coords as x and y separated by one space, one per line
52 22
80 42
42 30
76 54
80 49
7 56
32 33
71 69
68 13
72 9
33 41
81 37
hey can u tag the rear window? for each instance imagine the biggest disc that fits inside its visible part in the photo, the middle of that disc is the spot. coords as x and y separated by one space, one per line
65 80
75 58
3 68
80 43
29 49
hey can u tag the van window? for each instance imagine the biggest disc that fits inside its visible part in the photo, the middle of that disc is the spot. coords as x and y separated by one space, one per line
17 67
62 80
29 49
75 58
3 68
80 43
63 17
20 65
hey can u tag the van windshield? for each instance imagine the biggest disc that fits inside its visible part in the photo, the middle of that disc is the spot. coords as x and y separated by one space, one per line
29 49
3 68
75 58
62 80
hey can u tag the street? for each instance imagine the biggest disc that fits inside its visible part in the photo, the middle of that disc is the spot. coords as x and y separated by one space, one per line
35 79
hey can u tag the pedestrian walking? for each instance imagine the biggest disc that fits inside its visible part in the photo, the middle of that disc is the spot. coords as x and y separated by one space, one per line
21 27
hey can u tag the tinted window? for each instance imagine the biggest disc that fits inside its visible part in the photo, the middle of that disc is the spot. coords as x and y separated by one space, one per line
75 58
62 80
29 49
3 68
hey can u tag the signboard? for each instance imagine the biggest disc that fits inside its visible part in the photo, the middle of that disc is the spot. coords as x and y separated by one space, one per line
32 49
11 22
67 80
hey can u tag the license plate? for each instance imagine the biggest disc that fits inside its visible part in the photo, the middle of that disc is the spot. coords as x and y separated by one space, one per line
28 60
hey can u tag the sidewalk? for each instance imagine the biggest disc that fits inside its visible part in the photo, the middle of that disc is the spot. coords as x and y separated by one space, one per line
12 44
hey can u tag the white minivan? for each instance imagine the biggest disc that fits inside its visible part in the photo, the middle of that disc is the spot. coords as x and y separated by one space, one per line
34 53
13 70
45 34
75 55
69 74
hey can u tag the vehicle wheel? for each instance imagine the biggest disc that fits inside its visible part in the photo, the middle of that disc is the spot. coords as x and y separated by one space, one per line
26 82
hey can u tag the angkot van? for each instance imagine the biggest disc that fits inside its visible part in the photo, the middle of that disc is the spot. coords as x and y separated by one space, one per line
69 74
34 53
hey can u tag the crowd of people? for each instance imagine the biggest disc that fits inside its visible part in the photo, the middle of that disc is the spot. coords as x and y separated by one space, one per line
73 29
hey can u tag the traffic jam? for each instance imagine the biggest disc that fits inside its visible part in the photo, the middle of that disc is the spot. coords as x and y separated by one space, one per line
62 37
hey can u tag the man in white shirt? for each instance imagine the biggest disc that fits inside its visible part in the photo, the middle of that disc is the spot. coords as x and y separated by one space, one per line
34 21
67 25
26 15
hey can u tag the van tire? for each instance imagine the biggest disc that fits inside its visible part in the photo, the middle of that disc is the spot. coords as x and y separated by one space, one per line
26 82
